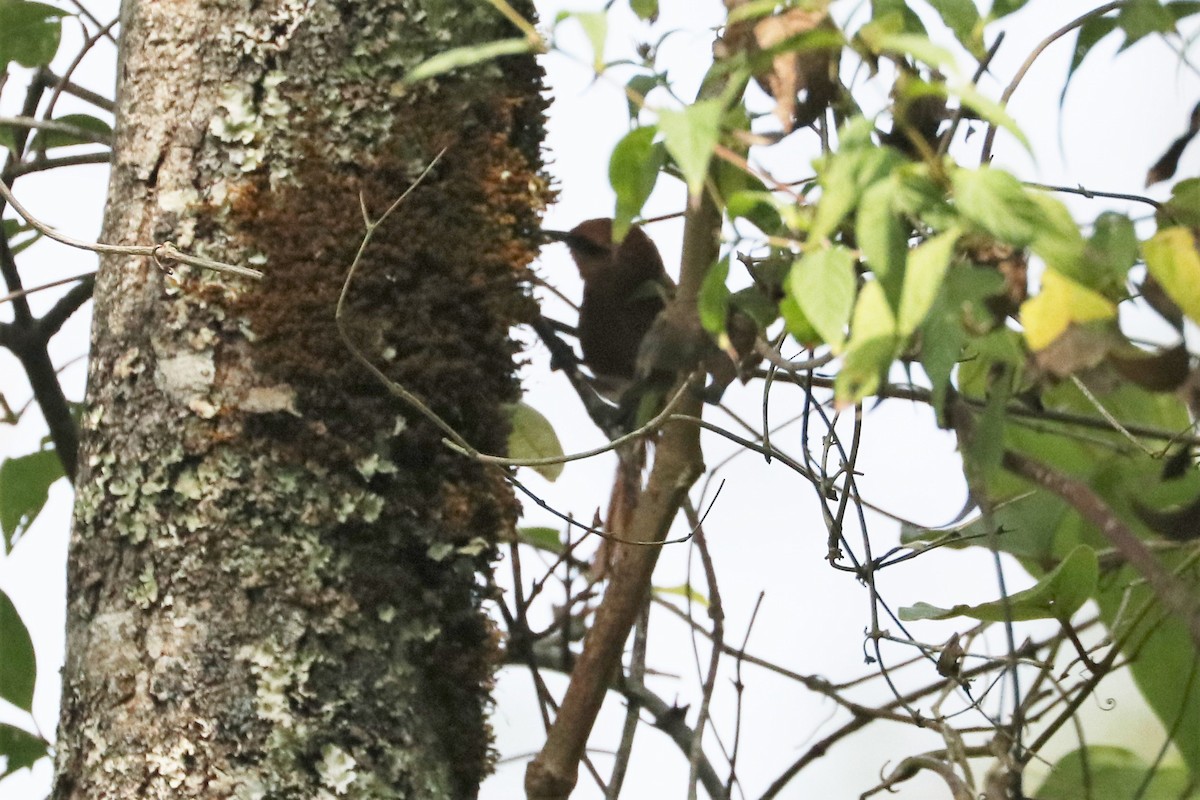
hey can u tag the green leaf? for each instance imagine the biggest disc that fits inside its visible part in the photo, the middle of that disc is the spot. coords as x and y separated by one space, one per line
923 277
1163 656
753 9
753 301
1182 8
1056 596
844 178
1112 250
1002 8
532 437
460 57
595 26
1061 303
997 202
1090 33
691 135
645 9
797 324
757 208
1101 772
1172 259
962 17
548 539
1140 18
1060 244
942 340
915 45
1184 206
883 237
18 668
713 302
984 450
636 90
823 284
905 18
24 486
918 195
29 33
14 230
633 172
101 132
872 348
19 749
989 111
683 590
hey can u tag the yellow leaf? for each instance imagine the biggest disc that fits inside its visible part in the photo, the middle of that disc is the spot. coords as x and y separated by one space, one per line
1172 259
1061 302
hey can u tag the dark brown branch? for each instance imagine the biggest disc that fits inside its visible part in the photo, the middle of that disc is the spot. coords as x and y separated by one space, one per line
25 338
42 164
28 339
677 465
22 314
52 321
48 78
1091 193
667 718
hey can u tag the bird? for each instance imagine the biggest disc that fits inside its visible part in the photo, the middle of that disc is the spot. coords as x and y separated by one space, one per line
625 288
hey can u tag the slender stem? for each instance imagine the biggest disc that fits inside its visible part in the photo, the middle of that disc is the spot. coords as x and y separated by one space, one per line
1174 595
986 155
164 253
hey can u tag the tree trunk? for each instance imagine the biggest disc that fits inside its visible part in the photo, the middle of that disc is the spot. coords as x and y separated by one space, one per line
276 569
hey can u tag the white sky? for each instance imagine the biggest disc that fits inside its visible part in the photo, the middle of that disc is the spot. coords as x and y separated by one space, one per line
765 531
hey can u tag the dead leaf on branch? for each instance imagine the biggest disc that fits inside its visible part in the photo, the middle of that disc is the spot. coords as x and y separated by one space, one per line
1165 167
798 69
1161 371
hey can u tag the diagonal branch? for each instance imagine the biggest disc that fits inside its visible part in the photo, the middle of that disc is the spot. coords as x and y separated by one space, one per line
1174 595
677 465
50 322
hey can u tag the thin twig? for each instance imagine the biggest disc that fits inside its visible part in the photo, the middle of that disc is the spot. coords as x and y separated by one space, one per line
716 613
162 253
986 154
42 164
57 127
1093 193
6 298
1174 595
956 118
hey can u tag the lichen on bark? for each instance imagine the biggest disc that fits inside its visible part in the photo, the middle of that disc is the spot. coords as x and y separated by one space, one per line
276 571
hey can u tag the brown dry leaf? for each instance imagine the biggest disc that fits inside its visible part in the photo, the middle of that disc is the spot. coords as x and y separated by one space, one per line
1163 371
1013 266
1178 524
803 82
1079 348
1152 292
1165 167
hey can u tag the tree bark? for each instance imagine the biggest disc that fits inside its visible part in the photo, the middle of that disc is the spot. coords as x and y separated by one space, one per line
276 572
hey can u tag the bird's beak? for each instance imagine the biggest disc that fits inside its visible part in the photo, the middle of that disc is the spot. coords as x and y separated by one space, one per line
556 236
579 245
